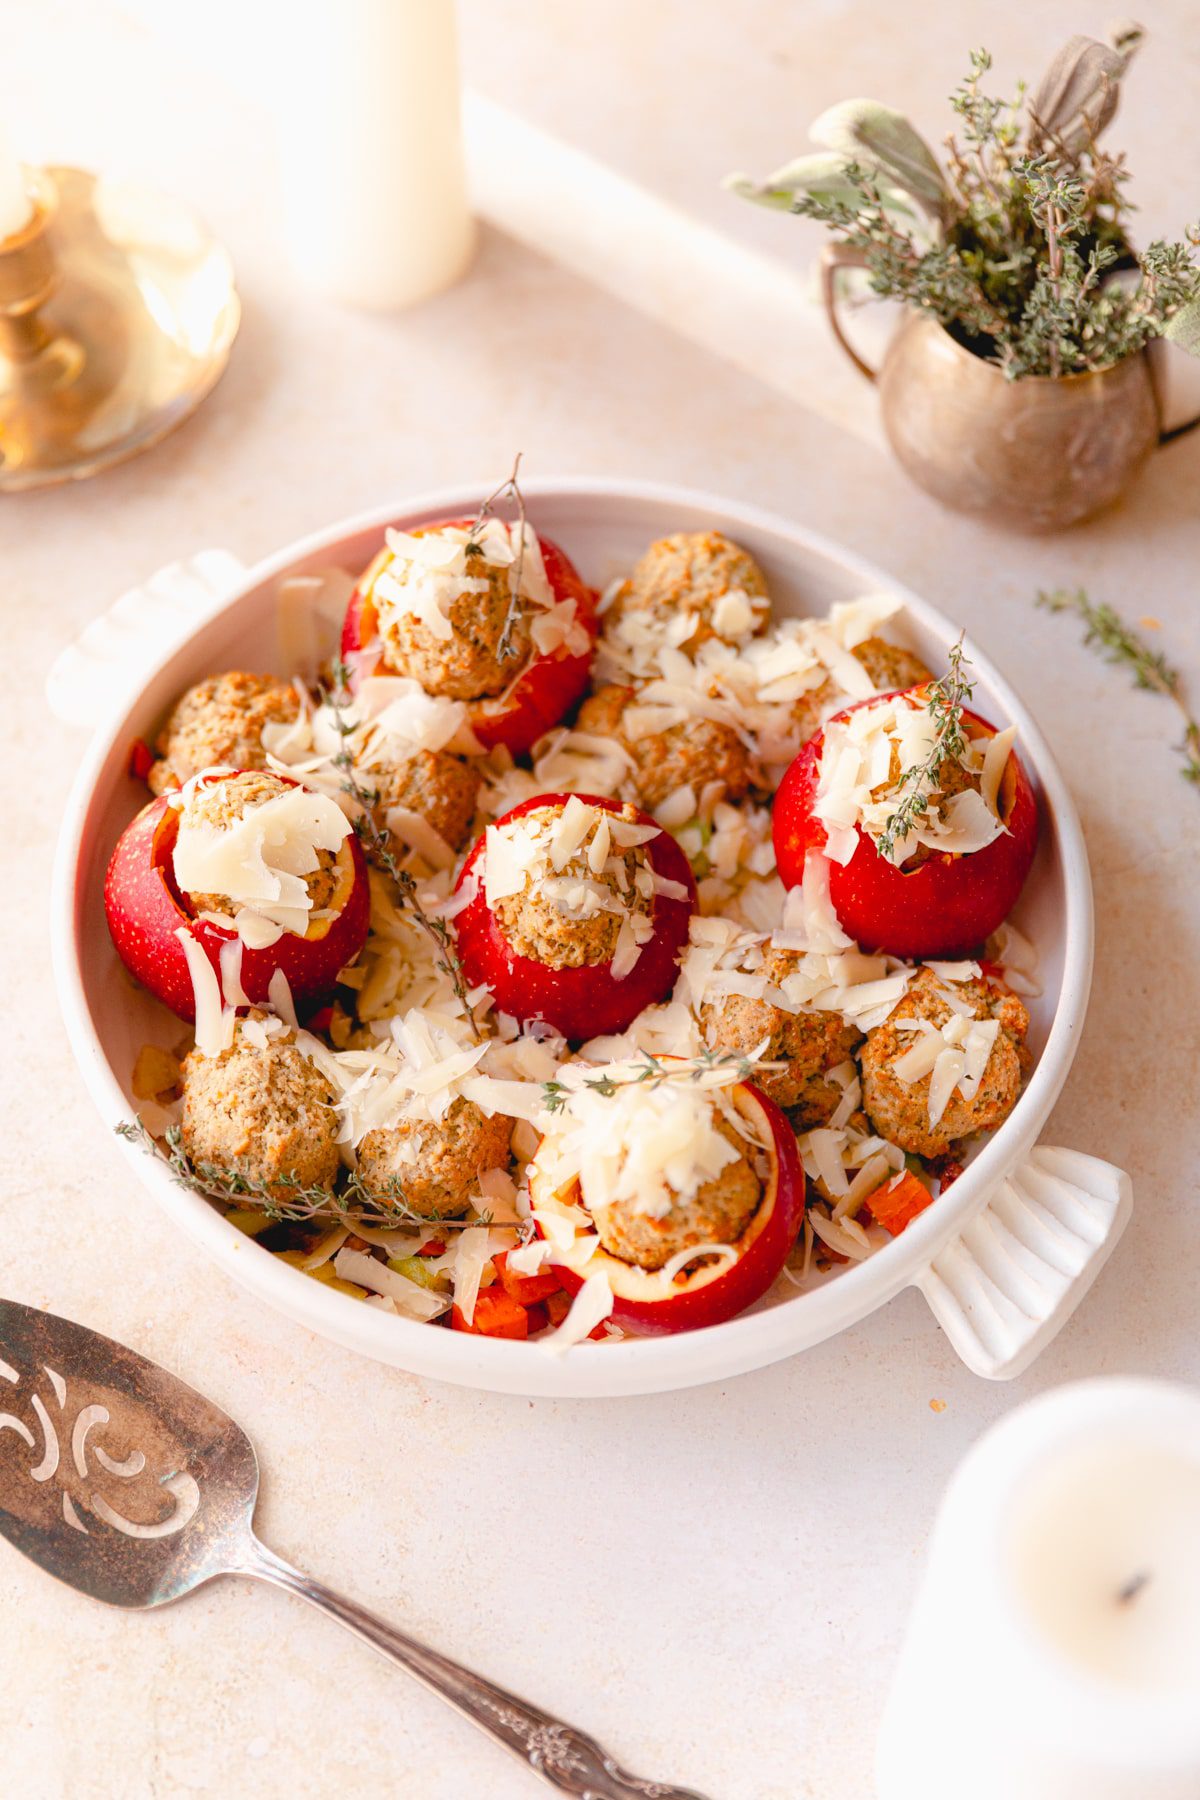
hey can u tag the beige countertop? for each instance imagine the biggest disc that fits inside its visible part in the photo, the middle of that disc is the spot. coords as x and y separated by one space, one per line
714 1582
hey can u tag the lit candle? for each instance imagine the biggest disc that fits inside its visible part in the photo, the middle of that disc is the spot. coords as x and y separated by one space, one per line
16 208
1054 1651
367 95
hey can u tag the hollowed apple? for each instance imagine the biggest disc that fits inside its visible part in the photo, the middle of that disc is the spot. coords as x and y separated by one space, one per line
588 1001
944 907
648 1302
146 911
544 690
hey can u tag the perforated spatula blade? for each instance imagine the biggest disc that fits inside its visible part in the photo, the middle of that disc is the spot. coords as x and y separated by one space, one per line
124 1482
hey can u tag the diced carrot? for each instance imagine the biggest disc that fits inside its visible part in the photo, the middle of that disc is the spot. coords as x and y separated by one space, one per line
528 1289
895 1207
497 1314
141 759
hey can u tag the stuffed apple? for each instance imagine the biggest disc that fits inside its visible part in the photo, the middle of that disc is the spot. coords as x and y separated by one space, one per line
244 871
684 1192
578 909
484 613
940 887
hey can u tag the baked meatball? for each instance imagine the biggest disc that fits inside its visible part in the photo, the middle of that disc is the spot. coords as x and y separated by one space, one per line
694 753
264 1112
809 1043
899 1110
466 664
567 920
442 789
889 667
700 572
717 1213
220 721
435 1163
222 802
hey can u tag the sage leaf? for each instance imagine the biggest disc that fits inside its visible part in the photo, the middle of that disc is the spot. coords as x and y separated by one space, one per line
1183 328
864 131
1076 99
822 176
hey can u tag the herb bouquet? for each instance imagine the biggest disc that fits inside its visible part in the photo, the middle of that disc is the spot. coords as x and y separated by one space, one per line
1013 255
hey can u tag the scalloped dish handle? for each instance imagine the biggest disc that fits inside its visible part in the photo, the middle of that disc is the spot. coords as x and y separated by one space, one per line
1008 1284
114 653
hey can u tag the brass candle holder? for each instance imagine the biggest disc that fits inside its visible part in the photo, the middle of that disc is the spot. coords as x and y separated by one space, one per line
117 313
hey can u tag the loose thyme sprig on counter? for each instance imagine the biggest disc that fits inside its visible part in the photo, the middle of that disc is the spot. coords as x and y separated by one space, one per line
653 1072
377 839
509 488
300 1202
917 785
1119 643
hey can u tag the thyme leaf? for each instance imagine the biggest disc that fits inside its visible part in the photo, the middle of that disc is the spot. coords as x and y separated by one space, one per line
1121 645
1027 222
287 1199
376 840
652 1071
509 488
918 784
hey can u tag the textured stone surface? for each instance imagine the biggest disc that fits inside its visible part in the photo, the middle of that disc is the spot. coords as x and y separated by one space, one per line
713 1582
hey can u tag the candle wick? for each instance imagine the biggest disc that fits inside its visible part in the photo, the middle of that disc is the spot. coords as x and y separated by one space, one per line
1133 1587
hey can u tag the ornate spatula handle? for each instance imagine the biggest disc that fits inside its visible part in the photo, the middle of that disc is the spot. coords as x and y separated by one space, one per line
567 1759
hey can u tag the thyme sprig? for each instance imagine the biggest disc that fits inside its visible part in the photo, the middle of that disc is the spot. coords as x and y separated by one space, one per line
945 699
376 839
509 488
1009 239
1120 644
286 1199
652 1071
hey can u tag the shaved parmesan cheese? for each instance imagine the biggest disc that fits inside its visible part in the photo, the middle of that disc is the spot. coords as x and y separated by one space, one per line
214 1024
230 958
590 1307
471 1257
948 1070
261 860
675 1265
279 993
995 760
409 1297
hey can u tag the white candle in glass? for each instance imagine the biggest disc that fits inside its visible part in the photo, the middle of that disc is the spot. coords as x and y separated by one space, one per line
16 208
367 100
1054 1650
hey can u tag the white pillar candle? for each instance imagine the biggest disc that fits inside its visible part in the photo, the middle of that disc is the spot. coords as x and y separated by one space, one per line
1054 1650
374 184
16 208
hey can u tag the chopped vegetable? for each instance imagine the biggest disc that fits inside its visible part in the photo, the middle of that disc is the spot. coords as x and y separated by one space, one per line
497 1314
325 1273
528 1289
896 1204
415 1268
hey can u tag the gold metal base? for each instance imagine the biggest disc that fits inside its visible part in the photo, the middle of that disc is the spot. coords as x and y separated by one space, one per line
117 313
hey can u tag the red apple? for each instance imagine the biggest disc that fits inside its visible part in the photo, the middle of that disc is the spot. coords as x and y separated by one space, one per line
646 1302
588 1001
945 907
547 687
145 912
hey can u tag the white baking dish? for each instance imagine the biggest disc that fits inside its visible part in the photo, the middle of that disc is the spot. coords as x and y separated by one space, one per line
1003 1258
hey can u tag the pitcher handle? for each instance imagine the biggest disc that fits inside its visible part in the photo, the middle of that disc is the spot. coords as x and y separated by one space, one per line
834 257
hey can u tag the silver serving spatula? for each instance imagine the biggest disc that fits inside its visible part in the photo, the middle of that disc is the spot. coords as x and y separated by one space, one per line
129 1485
